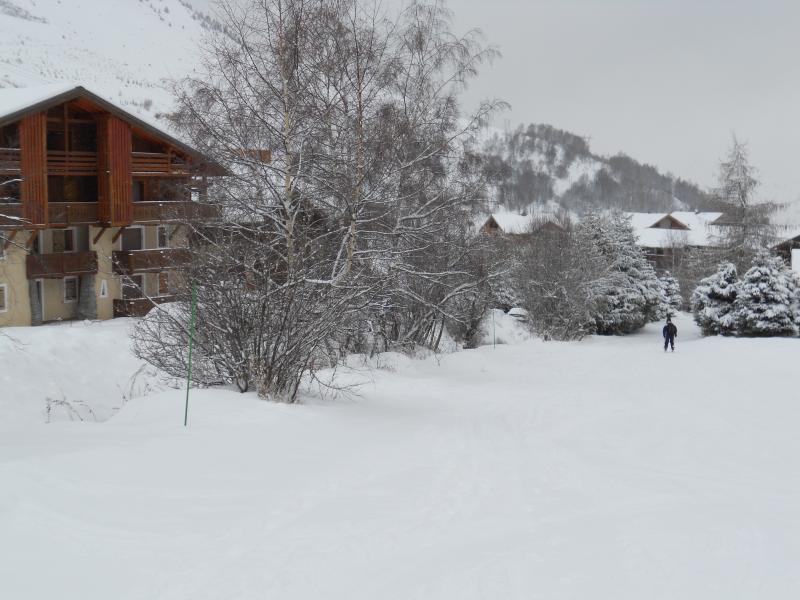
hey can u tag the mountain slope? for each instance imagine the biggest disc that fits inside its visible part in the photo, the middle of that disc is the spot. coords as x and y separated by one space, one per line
539 165
123 49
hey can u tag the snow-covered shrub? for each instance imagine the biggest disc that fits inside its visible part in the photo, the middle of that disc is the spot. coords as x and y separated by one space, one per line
712 301
561 280
765 302
673 300
635 295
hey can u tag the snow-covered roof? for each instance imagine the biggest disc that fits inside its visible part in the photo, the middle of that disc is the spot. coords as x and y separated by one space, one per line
699 229
512 223
14 100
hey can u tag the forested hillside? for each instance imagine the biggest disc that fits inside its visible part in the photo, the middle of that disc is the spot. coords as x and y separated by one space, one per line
534 165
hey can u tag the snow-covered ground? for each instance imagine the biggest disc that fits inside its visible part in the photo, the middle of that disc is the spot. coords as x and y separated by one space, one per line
599 469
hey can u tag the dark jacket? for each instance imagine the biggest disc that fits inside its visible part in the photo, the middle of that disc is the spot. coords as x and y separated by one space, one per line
670 331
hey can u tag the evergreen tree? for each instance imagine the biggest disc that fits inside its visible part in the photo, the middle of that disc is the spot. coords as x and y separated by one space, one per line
672 292
765 302
636 295
713 300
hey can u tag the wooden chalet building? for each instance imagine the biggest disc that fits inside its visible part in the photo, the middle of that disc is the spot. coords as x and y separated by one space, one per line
91 201
665 236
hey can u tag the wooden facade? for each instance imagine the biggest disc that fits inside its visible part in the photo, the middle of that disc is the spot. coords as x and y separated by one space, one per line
33 169
115 171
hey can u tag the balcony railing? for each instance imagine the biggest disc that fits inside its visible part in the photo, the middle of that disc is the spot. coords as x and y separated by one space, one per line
9 161
72 213
60 264
144 261
73 162
138 307
11 215
157 163
173 212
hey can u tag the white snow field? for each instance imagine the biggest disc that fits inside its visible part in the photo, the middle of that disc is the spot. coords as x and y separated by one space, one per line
600 469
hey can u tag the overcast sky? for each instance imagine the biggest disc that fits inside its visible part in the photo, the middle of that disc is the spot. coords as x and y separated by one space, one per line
665 81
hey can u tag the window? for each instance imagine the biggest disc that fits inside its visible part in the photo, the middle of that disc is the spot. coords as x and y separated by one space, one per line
70 290
132 287
3 297
83 137
132 239
63 240
163 238
2 247
103 288
138 191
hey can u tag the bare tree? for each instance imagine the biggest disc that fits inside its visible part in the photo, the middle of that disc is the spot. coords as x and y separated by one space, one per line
745 226
347 205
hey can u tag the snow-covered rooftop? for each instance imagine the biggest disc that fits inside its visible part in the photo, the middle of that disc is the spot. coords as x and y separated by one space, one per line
512 222
13 100
700 229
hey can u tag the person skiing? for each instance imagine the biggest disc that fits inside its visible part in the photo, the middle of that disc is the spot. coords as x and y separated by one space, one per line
669 332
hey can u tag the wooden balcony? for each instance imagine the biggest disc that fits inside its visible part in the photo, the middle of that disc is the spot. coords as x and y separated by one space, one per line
72 213
61 264
9 161
127 262
71 163
138 307
157 163
174 212
11 215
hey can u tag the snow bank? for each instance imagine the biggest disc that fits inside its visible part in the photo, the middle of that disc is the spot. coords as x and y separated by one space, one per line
71 371
596 469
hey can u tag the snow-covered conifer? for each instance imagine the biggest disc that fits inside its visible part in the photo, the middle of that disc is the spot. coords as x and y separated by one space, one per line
764 305
712 301
635 295
673 301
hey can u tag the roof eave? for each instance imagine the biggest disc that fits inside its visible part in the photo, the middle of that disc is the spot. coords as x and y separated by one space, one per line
82 92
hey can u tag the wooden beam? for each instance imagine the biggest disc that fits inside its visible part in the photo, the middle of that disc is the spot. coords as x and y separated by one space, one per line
10 239
99 235
116 235
32 239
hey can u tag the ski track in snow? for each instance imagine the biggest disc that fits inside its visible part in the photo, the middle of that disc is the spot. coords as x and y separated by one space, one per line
599 469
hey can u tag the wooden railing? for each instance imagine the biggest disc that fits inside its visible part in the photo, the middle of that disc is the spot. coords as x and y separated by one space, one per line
9 161
72 213
143 261
11 215
166 212
71 163
60 264
157 163
138 307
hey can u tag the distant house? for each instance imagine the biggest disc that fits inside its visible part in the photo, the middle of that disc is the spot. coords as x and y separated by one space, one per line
664 236
508 223
789 250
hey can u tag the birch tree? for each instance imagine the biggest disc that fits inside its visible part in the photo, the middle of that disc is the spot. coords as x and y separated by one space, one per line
347 205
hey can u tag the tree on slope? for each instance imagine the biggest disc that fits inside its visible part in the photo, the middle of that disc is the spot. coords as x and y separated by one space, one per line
713 299
635 295
765 301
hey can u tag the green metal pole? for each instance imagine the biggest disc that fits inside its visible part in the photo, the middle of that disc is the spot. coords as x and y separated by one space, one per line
191 341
